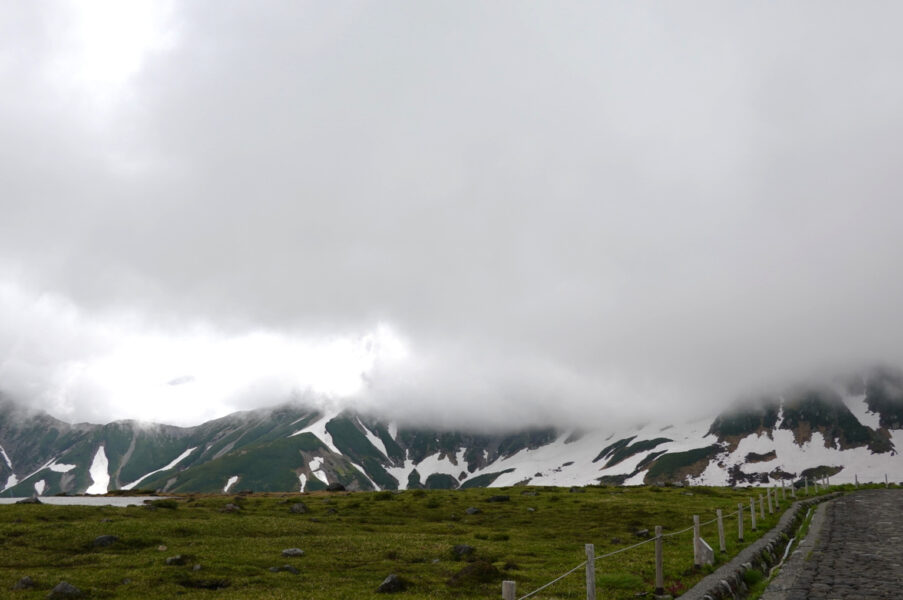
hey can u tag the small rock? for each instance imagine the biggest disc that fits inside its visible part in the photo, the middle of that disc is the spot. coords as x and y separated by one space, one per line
105 540
642 533
462 550
529 493
298 508
161 548
391 584
498 499
64 590
178 559
106 520
335 487
531 509
472 510
615 540
331 511
126 581
24 583
289 569
231 508
196 567
292 552
32 500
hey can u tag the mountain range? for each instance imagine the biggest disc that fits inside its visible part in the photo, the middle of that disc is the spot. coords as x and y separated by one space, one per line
846 430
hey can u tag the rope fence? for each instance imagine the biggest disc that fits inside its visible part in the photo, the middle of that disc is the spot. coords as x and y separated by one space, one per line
702 553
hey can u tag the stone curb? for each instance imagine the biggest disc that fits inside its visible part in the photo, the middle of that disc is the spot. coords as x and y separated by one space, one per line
727 581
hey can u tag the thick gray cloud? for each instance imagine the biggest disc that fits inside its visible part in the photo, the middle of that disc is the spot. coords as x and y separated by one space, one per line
616 211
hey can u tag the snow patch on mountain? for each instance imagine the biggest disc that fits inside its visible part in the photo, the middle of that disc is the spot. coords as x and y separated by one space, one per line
100 477
172 463
861 411
316 469
10 482
303 479
9 463
318 428
39 487
232 481
60 467
374 439
364 473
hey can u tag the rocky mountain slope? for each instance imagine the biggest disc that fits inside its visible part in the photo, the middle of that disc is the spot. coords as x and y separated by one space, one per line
853 429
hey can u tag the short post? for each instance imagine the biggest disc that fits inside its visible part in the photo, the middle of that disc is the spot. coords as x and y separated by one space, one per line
752 513
721 545
697 555
886 484
770 505
761 507
659 563
783 491
856 480
793 491
740 522
590 572
777 501
509 590
806 480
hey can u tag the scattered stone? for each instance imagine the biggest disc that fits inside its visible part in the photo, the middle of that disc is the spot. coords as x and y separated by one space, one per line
331 511
231 508
24 584
286 568
498 499
105 540
529 493
531 509
576 490
335 487
106 520
472 510
126 581
435 561
178 559
32 500
292 552
196 567
615 540
64 590
298 508
161 548
476 572
642 533
461 551
391 584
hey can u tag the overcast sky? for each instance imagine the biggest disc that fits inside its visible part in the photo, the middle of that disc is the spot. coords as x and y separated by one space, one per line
453 212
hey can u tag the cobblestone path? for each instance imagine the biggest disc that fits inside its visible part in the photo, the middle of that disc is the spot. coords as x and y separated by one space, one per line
857 553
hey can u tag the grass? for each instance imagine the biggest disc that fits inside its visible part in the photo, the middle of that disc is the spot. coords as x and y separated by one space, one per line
352 541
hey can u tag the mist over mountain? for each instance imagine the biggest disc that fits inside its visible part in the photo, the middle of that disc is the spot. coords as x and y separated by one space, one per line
849 430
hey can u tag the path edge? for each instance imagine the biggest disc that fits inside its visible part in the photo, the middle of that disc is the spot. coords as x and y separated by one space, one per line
727 581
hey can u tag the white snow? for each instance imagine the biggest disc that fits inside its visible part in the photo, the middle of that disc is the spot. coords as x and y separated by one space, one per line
315 465
374 439
99 476
860 410
303 478
172 463
230 483
393 431
10 482
318 428
39 487
364 473
9 463
61 467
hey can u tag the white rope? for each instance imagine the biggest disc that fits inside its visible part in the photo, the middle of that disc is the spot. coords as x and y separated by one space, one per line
537 590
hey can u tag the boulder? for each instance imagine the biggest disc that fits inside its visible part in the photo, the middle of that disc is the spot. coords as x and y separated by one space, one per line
286 568
462 551
178 559
104 540
335 487
25 583
32 500
391 584
472 510
231 508
64 590
298 508
292 552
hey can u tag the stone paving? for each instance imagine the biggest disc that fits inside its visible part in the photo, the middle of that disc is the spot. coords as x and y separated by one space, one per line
854 551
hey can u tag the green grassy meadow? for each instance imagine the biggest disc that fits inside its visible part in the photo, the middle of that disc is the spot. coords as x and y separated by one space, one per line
352 541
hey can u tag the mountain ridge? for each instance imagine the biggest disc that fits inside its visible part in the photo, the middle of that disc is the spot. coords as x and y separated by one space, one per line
850 430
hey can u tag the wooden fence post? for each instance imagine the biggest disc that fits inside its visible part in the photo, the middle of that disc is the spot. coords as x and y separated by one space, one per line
509 590
886 484
697 555
783 491
856 480
777 501
806 480
740 522
793 491
590 572
770 505
659 563
761 507
721 545
752 513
